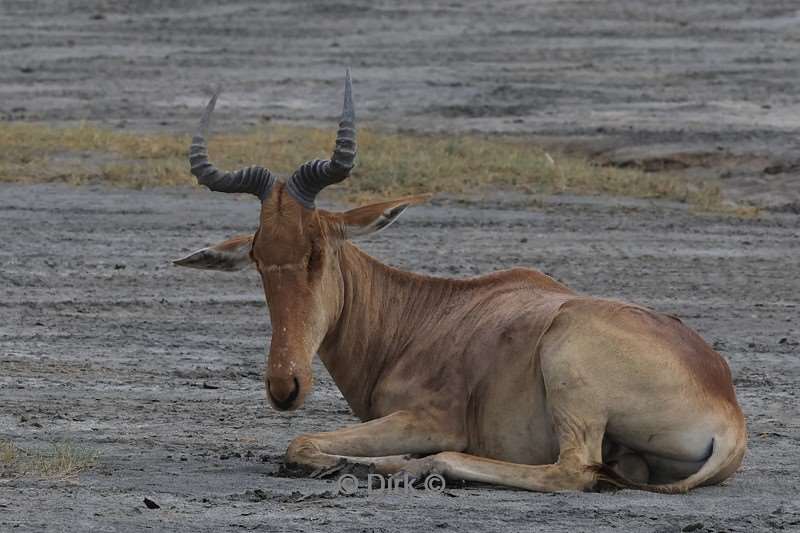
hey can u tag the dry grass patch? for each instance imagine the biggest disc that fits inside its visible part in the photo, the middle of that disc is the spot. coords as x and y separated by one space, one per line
389 164
63 460
8 453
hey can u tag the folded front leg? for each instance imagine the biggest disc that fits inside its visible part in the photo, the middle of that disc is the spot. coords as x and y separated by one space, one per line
580 450
386 442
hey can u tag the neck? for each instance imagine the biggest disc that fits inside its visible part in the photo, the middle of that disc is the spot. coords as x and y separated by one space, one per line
387 313
376 324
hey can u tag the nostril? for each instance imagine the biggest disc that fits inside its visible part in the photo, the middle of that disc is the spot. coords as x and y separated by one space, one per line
286 403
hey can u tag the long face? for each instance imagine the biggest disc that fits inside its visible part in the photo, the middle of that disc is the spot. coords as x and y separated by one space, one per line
297 252
296 249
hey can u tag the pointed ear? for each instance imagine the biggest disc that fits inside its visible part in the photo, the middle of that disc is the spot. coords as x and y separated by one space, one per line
230 255
371 218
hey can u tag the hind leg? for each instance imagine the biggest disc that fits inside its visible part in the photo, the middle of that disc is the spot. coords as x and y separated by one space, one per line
625 461
664 470
631 466
580 446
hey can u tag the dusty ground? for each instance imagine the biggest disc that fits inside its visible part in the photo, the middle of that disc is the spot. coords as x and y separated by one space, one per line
707 88
158 370
104 343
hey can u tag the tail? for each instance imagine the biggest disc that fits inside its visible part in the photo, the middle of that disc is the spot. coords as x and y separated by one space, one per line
726 455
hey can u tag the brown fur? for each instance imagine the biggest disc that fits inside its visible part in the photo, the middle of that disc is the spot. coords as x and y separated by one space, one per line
509 378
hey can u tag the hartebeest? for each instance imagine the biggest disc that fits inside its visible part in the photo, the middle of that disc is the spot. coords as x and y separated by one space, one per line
510 378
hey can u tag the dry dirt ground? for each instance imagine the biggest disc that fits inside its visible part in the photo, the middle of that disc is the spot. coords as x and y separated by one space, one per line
707 88
159 369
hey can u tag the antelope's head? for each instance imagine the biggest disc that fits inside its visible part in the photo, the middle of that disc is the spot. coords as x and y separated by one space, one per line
295 249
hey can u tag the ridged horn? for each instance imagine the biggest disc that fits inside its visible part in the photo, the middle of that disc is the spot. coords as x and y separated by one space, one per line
312 177
254 180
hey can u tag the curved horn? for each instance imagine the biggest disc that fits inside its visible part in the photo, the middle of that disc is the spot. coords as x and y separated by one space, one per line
344 153
312 177
254 180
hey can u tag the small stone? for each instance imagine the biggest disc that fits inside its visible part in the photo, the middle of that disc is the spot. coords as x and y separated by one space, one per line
693 527
150 504
260 495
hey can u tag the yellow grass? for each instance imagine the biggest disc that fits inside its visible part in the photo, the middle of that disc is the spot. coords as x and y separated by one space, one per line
8 453
389 164
62 460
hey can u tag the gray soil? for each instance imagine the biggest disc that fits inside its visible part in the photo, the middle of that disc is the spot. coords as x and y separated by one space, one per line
708 88
158 369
